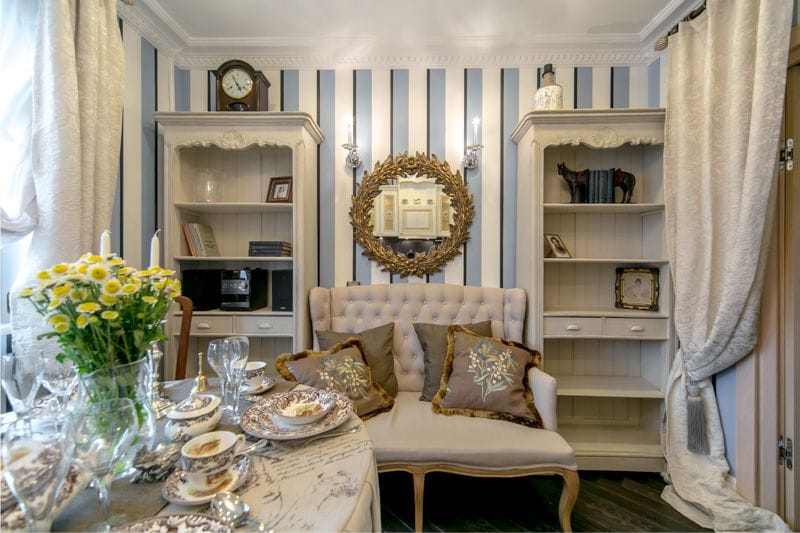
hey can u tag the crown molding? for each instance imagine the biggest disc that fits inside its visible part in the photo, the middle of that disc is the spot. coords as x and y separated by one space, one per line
281 61
146 24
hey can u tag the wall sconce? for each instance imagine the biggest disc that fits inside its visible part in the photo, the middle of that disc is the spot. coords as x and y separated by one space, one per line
471 151
353 160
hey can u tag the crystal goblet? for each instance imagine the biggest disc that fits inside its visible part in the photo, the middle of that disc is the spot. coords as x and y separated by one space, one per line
37 453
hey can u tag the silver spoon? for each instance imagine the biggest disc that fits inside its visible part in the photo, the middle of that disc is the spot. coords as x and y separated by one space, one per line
230 509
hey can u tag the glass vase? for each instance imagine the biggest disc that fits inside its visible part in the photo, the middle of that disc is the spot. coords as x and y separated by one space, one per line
131 381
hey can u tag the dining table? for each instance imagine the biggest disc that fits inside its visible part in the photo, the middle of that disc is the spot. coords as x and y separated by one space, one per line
328 484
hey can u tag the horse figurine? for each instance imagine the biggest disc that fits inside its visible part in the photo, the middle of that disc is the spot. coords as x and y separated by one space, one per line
578 182
626 182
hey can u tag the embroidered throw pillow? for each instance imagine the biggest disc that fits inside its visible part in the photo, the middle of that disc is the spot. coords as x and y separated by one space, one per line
488 378
342 369
377 344
433 339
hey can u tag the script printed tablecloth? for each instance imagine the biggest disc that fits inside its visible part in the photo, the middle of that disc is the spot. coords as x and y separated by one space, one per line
328 485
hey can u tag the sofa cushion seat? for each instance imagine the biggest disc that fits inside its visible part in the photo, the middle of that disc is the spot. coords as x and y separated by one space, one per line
411 433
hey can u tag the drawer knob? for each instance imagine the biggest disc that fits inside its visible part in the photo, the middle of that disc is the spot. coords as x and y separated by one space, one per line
573 327
637 328
203 325
265 325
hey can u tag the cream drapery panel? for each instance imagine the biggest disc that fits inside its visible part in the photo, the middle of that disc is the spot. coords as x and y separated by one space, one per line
77 121
725 101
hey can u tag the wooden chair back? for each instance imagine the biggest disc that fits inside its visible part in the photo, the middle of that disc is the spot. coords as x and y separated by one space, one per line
183 340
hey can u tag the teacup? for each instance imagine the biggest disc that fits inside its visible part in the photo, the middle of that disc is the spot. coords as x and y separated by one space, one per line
206 459
254 374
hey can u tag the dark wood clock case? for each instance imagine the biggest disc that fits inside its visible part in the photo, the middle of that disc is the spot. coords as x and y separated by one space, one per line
256 100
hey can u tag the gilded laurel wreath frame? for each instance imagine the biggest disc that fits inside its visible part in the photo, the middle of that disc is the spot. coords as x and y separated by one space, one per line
402 165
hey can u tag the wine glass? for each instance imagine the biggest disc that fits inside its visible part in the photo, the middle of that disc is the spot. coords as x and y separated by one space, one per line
105 430
20 379
216 359
37 453
60 378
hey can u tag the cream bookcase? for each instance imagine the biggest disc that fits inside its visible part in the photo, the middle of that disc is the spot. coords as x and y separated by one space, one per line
242 151
611 364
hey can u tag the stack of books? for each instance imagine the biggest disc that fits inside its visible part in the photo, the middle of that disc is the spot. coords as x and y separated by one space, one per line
200 239
600 187
269 249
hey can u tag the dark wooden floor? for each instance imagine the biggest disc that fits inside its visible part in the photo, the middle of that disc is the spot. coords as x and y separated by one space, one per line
608 501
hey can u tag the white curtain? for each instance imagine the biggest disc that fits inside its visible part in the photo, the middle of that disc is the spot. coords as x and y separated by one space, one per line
725 101
75 134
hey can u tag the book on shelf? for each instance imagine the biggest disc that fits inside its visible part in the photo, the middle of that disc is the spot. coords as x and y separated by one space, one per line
269 248
600 187
200 239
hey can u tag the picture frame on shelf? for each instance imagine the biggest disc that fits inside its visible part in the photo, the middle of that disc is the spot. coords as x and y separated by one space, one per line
637 288
555 247
280 190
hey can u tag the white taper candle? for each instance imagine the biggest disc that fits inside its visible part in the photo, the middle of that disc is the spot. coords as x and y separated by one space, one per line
105 242
154 249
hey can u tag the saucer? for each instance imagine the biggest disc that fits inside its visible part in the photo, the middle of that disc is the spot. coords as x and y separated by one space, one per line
177 490
177 522
266 384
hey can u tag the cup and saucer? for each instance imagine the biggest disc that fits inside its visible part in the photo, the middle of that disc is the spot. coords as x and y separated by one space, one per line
256 380
209 463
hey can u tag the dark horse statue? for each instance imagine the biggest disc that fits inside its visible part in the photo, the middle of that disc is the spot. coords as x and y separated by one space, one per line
578 183
626 182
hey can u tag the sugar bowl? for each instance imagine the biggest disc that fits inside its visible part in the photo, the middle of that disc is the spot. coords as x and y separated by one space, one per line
197 414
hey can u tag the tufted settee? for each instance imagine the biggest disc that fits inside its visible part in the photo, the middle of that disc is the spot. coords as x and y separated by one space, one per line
411 437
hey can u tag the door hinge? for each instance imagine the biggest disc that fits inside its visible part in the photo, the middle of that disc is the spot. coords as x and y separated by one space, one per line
787 155
785 452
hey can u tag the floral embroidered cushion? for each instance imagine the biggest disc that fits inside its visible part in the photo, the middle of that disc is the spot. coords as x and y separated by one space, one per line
377 344
342 369
433 339
488 378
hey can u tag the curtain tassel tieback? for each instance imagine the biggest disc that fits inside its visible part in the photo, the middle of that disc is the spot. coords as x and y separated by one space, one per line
696 439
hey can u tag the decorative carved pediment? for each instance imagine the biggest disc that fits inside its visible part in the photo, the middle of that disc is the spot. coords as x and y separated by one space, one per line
605 138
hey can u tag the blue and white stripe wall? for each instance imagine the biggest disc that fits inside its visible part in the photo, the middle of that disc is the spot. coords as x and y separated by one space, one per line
394 110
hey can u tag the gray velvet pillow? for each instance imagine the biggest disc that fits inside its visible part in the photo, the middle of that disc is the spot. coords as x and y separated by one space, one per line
433 339
377 344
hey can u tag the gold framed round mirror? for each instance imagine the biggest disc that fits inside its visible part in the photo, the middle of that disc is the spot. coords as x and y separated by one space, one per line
412 214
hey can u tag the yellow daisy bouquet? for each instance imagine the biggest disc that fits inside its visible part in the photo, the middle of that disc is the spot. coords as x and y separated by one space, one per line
103 312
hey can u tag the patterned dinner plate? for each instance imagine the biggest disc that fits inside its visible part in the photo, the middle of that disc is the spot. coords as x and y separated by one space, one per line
177 490
177 522
258 421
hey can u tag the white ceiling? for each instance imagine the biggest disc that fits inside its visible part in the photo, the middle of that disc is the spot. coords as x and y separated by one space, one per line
330 32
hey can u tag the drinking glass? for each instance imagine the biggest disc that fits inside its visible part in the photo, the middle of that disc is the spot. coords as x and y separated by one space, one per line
216 359
105 430
60 378
37 453
228 358
20 379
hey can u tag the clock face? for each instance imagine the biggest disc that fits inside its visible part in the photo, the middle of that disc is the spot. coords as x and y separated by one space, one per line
237 83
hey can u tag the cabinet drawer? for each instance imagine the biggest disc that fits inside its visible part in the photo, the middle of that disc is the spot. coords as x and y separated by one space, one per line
572 326
210 325
265 325
637 327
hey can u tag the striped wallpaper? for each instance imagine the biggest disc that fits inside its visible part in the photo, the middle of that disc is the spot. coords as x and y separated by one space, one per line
393 111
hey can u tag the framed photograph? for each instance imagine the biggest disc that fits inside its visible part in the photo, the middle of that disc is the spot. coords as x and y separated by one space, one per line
637 288
554 246
280 190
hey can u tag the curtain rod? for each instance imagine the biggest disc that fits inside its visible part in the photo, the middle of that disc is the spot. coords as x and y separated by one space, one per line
661 44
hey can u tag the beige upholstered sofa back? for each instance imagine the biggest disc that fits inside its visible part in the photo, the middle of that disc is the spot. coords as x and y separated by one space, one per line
354 309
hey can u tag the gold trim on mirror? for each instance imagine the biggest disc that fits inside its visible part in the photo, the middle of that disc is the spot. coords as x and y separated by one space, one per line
461 206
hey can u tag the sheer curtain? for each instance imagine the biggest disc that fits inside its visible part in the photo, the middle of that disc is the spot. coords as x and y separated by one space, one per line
725 101
78 78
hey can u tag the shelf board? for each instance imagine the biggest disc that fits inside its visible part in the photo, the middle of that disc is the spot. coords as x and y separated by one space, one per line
607 260
607 387
609 337
235 258
234 207
611 312
611 440
264 311
603 208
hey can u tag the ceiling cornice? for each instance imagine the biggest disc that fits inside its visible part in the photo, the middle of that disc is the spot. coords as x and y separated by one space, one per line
153 23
